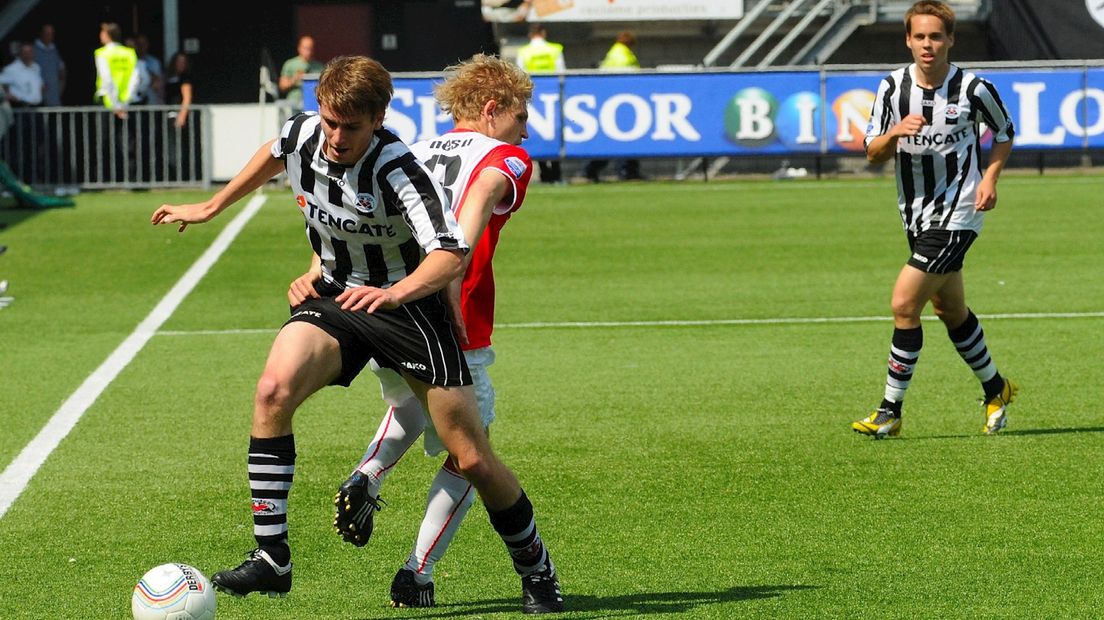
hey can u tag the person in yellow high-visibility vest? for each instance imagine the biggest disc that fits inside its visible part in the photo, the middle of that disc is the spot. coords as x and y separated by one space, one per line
118 77
117 72
541 56
620 57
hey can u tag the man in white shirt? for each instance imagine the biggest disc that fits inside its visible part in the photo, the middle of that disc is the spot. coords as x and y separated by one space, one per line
22 83
22 79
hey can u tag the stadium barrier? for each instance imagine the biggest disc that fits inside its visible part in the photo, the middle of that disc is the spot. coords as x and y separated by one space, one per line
90 148
706 113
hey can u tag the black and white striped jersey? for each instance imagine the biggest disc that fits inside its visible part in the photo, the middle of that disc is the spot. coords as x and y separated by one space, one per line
371 223
938 170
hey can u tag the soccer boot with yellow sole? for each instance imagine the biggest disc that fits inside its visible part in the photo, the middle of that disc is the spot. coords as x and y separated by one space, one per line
880 424
996 408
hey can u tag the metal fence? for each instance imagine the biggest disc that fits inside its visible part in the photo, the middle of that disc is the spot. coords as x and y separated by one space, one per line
92 148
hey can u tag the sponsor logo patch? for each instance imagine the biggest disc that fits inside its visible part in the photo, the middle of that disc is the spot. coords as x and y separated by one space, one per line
516 166
264 507
365 203
897 367
414 366
922 259
301 201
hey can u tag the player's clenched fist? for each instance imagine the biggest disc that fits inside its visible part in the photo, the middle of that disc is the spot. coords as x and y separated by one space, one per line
910 125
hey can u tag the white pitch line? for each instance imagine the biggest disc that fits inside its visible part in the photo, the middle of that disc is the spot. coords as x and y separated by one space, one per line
19 473
706 323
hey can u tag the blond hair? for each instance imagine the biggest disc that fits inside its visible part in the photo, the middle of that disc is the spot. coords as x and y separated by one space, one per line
468 86
354 85
931 7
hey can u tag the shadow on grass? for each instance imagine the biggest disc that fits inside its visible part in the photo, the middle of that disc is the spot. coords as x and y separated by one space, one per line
1014 433
587 606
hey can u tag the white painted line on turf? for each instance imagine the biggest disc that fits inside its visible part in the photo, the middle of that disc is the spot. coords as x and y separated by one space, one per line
785 321
19 473
706 323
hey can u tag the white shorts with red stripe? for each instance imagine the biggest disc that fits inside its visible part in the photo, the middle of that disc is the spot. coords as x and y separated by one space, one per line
396 392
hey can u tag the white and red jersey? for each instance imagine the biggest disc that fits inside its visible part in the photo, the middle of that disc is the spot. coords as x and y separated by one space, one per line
456 159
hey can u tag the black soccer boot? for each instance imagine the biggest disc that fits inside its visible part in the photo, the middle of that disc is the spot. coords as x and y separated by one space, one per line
356 510
257 574
540 592
406 592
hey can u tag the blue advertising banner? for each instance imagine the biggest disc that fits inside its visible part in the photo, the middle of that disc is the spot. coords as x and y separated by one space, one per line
689 115
1094 108
850 98
731 114
1047 106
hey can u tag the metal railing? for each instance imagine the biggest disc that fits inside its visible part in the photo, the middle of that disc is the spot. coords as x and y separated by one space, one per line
91 148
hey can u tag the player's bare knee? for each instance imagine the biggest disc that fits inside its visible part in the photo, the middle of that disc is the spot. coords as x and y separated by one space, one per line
475 467
273 395
905 309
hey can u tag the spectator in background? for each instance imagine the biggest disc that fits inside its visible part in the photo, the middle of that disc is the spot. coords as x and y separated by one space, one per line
291 74
145 80
22 79
178 92
117 73
620 57
53 67
118 78
178 88
155 93
541 56
22 83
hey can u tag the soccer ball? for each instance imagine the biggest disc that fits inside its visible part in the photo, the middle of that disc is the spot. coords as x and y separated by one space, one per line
173 592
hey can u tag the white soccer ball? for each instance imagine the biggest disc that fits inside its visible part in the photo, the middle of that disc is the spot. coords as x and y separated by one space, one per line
173 592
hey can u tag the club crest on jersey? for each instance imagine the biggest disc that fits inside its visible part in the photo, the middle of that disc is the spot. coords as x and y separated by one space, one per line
516 166
365 203
952 111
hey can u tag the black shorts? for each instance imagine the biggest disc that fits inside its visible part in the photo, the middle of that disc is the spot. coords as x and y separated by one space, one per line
940 251
415 339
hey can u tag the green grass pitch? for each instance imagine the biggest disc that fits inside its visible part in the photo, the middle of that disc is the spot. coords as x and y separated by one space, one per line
683 464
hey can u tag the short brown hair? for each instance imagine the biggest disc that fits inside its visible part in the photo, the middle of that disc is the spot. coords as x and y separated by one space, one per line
468 86
931 7
355 85
114 32
626 38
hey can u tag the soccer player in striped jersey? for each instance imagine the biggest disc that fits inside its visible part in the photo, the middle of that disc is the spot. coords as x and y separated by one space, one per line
385 243
486 175
927 116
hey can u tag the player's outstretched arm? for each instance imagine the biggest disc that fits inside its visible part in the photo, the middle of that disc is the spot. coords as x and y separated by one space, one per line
261 167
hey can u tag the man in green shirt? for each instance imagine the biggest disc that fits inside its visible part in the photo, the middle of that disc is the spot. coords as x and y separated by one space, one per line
291 74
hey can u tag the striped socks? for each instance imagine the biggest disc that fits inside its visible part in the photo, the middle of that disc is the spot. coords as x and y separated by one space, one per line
903 355
519 531
271 469
969 339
